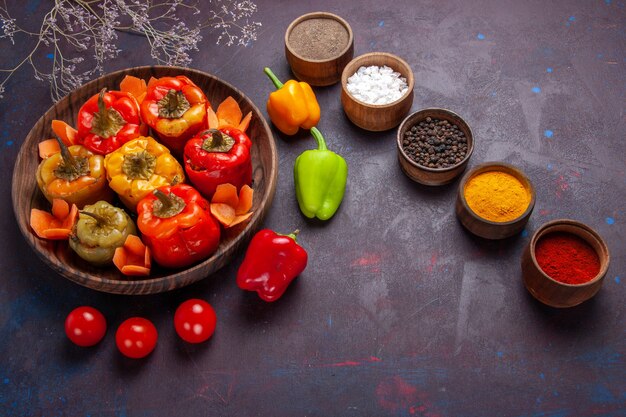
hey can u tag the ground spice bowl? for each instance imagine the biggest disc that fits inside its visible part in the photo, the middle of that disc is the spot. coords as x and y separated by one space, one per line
486 228
319 72
377 117
423 174
555 293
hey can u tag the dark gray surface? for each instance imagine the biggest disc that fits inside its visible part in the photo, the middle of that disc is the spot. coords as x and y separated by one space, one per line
400 311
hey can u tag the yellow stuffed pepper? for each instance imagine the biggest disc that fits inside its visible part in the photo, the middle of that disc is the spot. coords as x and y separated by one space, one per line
75 174
139 167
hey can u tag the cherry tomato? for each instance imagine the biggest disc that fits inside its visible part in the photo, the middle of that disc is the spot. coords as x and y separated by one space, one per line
85 326
136 337
195 320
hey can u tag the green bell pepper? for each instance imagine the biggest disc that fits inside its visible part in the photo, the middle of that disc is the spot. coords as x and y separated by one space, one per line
320 177
100 229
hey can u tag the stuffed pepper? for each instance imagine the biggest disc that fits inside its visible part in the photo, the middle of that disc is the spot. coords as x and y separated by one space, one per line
139 167
176 224
176 109
75 175
216 157
108 120
101 228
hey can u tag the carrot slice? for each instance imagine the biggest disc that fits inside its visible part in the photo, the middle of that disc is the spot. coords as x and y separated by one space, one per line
70 220
151 81
133 258
212 118
48 147
119 257
135 246
60 208
64 131
229 113
227 194
224 213
57 234
140 98
47 226
240 219
40 221
245 200
135 270
135 86
245 123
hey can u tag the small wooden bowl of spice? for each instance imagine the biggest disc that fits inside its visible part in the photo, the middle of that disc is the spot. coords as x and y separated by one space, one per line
434 146
495 200
564 263
318 46
377 90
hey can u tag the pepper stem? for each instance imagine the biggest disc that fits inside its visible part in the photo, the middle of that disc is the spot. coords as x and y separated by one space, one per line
321 143
100 219
292 235
68 158
168 205
71 167
217 141
273 77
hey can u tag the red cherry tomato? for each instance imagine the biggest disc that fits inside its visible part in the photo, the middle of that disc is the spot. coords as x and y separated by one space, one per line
195 321
136 337
85 326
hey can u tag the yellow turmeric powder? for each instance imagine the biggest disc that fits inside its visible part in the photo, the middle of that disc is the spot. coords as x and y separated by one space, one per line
496 196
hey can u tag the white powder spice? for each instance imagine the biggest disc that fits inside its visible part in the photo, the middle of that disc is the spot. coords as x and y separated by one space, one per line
377 85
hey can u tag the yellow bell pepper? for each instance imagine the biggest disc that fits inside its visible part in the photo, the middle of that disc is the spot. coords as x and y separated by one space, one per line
292 106
139 167
75 175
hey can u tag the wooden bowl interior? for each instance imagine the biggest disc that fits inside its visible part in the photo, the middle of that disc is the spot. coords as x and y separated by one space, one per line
487 228
319 72
377 117
555 293
424 174
61 258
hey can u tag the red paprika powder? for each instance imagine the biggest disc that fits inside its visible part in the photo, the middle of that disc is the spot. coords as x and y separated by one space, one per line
567 258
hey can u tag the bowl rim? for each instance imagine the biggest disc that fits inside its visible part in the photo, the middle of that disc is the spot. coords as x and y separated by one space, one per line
132 286
313 15
493 166
410 80
465 160
548 227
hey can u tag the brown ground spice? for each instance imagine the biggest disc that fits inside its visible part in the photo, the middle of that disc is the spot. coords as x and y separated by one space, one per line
318 38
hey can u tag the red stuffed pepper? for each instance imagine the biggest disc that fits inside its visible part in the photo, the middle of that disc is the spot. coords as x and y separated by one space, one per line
216 157
176 109
176 224
108 120
272 261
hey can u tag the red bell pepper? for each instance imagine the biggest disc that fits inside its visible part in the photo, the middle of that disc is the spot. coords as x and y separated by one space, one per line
108 120
216 157
272 261
177 225
176 109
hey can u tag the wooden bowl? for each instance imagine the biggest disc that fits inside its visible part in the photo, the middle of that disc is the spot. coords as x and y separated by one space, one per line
423 174
61 258
486 228
319 72
555 293
377 117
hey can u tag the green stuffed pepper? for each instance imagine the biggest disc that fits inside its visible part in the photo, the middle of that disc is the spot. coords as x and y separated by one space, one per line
320 177
100 229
